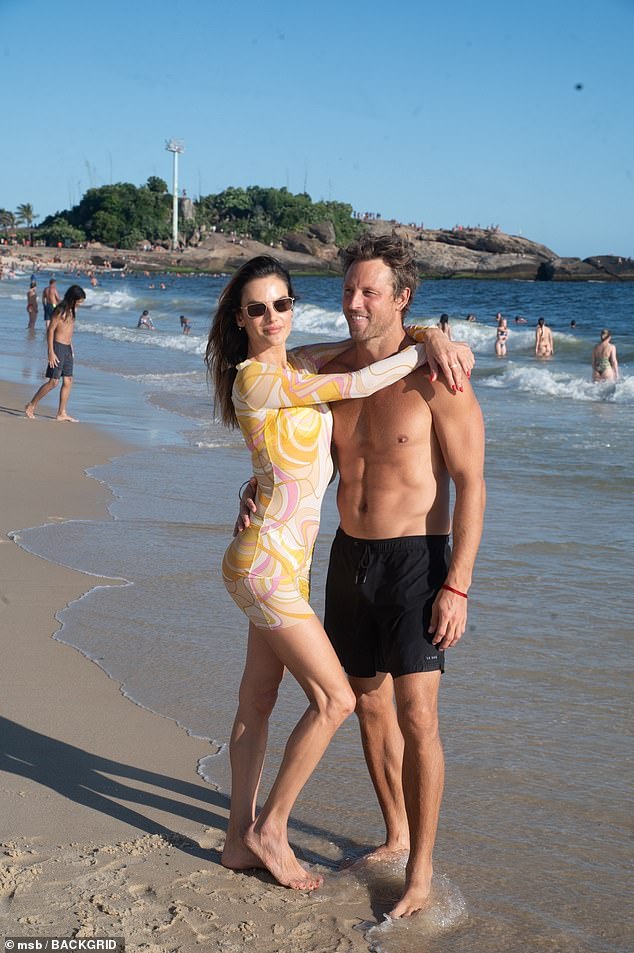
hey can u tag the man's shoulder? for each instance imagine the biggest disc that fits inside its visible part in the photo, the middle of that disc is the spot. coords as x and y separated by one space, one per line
345 361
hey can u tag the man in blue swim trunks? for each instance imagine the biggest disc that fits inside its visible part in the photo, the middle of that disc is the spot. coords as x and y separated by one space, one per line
50 300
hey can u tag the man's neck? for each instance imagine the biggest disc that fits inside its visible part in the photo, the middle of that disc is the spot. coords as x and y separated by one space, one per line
375 349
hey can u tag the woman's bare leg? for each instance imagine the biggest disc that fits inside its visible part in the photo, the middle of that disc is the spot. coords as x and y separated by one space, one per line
305 650
262 675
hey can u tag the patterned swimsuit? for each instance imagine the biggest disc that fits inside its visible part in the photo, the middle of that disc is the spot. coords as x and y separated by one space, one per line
286 422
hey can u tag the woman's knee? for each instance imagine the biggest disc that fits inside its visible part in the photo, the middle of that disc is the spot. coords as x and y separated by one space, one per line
339 703
261 699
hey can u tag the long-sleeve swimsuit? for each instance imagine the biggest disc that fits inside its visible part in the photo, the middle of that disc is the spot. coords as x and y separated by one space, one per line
286 422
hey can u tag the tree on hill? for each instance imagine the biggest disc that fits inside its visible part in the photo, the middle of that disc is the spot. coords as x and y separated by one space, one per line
267 214
122 214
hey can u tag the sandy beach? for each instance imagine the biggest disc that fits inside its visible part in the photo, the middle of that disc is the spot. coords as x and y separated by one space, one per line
106 828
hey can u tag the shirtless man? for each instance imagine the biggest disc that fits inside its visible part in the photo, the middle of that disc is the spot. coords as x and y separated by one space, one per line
397 453
59 337
50 300
544 346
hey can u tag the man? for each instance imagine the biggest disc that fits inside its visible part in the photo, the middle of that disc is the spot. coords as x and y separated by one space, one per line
544 346
50 300
393 602
387 613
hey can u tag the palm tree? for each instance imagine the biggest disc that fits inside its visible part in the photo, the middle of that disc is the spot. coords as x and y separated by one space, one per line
26 216
7 219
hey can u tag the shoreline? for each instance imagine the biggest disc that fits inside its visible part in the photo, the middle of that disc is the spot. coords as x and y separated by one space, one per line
107 828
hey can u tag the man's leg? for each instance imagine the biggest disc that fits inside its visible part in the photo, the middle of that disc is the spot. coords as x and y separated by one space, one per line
45 389
382 742
67 383
423 779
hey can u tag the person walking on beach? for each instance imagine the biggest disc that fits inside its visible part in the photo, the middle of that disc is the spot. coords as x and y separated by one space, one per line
59 336
544 346
605 366
280 401
50 300
396 598
31 304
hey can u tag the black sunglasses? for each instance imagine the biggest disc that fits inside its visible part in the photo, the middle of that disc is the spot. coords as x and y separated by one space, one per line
257 309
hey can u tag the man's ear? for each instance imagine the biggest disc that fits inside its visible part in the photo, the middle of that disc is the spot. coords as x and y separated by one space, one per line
403 299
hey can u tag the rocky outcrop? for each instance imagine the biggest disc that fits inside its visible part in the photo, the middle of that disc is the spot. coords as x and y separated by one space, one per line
456 253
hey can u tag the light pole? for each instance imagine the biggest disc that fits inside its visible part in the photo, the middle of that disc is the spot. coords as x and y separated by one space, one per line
175 146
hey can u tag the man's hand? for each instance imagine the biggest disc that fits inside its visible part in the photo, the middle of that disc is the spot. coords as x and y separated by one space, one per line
448 619
53 360
247 506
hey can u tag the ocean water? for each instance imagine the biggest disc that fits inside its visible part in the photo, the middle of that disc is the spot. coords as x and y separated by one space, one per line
532 851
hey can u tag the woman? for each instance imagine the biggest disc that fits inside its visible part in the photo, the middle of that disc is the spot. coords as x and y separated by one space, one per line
443 324
501 337
605 366
31 304
280 402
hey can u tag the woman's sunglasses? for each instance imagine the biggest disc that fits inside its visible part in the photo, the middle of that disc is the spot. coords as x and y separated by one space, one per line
257 309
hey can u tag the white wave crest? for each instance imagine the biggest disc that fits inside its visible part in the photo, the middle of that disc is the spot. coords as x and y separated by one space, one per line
312 319
545 382
104 298
189 343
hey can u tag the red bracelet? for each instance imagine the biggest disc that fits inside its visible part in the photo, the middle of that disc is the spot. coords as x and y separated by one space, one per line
457 591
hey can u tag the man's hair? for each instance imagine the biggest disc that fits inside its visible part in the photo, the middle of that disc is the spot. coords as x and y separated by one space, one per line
395 252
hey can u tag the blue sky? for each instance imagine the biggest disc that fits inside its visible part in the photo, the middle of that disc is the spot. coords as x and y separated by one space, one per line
437 112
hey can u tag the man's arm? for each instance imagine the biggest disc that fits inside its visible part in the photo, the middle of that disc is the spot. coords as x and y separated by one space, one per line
459 428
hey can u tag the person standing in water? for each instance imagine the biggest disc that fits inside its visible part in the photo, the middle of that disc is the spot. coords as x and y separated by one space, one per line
544 346
605 366
59 336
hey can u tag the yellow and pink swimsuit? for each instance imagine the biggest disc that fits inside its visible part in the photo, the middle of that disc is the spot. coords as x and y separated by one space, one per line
286 422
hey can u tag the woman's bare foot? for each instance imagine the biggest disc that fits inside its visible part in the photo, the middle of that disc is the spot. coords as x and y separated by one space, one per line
29 410
237 856
278 858
71 420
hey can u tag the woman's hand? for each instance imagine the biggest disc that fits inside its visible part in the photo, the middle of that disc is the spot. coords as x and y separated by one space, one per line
452 359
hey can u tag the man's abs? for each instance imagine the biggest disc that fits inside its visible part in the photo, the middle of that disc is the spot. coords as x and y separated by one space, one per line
392 477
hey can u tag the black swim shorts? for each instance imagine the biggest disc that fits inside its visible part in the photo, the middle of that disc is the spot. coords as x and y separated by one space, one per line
379 595
64 354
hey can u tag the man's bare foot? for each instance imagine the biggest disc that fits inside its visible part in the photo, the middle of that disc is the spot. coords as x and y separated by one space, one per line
237 856
65 417
278 858
415 898
29 410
